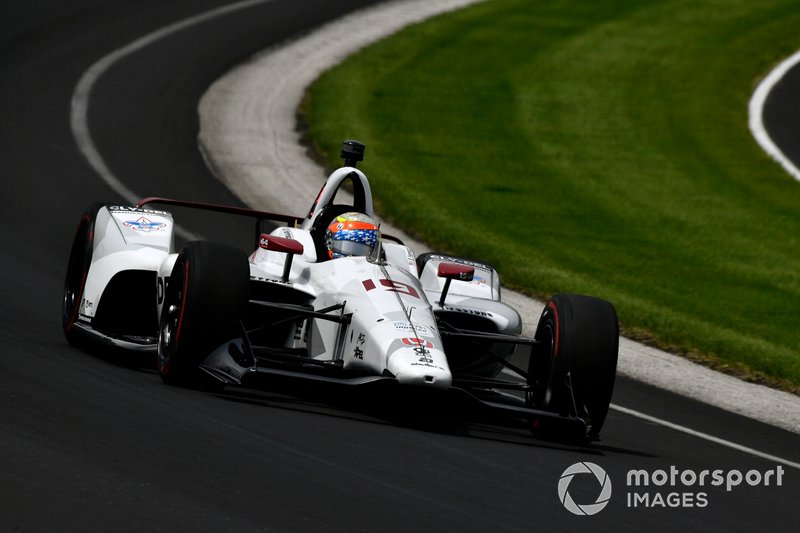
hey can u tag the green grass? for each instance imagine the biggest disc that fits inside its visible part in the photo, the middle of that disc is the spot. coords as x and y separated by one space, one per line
593 147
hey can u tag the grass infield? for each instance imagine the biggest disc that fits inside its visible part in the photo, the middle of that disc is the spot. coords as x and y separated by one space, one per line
598 148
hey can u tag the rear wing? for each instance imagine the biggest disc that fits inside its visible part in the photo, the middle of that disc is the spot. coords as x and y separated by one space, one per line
259 216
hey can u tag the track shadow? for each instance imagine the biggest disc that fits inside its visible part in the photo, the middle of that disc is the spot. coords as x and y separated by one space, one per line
432 412
439 412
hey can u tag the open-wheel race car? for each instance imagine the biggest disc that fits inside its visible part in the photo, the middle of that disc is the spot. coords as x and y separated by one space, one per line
326 298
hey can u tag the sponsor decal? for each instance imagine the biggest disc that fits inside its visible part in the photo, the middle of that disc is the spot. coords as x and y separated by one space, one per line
423 355
417 342
411 326
477 280
126 209
476 312
459 260
427 365
144 225
412 261
361 340
421 347
269 280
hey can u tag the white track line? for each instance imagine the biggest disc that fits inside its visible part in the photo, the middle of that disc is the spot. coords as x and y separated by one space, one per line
759 131
756 111
79 121
706 436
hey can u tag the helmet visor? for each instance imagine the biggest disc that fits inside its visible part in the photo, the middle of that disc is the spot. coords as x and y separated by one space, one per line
350 248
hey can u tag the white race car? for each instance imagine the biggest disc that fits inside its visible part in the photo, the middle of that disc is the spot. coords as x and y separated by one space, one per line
327 298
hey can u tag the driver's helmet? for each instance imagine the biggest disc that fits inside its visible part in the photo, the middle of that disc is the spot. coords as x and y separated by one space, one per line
351 234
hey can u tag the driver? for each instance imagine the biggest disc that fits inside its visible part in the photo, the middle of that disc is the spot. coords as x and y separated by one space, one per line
351 234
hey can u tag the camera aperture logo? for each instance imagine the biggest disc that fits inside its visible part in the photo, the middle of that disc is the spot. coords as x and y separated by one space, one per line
586 509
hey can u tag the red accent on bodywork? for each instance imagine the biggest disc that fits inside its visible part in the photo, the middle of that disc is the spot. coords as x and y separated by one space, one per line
399 286
392 286
316 201
456 271
417 342
280 244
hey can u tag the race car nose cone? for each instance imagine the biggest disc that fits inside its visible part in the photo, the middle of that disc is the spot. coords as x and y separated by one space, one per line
428 368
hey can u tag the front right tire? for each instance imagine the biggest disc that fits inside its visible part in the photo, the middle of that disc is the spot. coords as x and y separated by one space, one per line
574 371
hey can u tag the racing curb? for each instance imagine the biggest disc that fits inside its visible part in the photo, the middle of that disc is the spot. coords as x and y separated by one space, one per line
249 138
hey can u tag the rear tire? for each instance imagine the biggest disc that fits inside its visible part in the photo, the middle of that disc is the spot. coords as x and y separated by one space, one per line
80 258
574 371
205 300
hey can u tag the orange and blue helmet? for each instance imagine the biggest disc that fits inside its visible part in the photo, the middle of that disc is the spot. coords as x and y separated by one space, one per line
351 234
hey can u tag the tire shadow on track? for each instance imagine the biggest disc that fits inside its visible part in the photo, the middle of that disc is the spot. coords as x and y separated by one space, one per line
144 362
410 411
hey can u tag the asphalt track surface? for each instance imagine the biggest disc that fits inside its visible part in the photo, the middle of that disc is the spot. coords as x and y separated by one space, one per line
89 442
782 115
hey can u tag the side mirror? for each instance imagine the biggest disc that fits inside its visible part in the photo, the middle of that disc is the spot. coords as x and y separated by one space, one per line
451 271
290 247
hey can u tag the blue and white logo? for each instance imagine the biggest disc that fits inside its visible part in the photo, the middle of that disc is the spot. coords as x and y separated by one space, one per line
144 225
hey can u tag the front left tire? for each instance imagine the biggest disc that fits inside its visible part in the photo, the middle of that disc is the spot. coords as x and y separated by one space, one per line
80 258
205 300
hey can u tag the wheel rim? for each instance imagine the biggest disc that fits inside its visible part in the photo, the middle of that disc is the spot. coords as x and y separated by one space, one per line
70 305
548 385
546 395
166 337
172 313
542 390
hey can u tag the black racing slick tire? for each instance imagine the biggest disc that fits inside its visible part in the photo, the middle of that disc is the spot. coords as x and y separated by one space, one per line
80 258
205 299
575 369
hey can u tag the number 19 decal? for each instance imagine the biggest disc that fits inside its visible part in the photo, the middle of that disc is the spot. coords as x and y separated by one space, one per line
391 285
